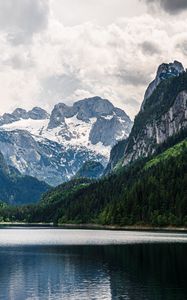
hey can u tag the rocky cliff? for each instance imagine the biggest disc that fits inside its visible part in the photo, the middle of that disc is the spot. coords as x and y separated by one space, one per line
163 113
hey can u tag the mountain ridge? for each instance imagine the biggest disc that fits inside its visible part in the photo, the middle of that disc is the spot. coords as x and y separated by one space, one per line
53 147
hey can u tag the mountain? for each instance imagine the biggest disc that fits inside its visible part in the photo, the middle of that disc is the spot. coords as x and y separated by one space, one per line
16 189
116 156
165 71
36 113
149 187
163 114
53 147
90 169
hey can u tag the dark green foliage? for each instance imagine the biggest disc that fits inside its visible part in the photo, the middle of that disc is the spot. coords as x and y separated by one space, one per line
16 189
156 195
90 169
64 190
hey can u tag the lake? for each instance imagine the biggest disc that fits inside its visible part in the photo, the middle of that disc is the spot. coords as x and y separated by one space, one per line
46 263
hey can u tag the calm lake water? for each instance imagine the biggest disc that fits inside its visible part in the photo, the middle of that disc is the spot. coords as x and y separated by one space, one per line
44 263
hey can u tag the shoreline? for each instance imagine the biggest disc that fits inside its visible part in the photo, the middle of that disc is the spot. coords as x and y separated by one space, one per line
96 227
123 228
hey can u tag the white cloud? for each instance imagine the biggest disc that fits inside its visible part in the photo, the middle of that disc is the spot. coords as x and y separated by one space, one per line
22 18
101 12
66 63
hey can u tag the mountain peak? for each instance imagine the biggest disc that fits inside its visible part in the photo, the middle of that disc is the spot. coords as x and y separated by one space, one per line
20 113
92 108
84 110
38 113
164 72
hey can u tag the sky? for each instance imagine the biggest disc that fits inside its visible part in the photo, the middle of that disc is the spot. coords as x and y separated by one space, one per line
65 50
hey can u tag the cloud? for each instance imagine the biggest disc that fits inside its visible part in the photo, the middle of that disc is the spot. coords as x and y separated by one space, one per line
102 12
150 48
169 6
182 45
133 76
66 63
132 102
21 19
19 61
60 86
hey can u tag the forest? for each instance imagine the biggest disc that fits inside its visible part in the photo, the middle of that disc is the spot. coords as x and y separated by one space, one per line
151 191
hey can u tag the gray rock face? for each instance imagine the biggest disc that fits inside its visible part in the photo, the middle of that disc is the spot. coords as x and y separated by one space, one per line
164 72
158 130
106 131
58 115
93 108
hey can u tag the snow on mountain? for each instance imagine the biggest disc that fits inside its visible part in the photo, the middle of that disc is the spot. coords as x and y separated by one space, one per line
53 147
75 134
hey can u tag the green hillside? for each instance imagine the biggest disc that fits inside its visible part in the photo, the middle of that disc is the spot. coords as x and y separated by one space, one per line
172 152
150 192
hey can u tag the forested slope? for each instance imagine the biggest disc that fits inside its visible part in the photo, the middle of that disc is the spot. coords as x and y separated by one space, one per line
150 192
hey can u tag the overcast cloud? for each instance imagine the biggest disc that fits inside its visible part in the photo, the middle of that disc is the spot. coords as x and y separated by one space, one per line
20 19
170 6
58 51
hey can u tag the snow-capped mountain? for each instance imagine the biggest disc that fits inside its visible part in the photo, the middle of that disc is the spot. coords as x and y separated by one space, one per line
53 147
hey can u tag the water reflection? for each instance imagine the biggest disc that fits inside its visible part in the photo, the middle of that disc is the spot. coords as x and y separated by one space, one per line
133 272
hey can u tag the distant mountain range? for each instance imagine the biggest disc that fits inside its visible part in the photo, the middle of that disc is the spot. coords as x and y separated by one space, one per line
53 147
